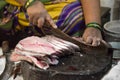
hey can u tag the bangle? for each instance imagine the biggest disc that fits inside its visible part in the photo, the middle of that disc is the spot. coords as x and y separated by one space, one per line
94 25
29 3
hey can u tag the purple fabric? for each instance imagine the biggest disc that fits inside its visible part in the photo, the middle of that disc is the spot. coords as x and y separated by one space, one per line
71 13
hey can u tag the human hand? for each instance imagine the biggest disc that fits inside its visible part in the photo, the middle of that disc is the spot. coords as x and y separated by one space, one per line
38 15
92 36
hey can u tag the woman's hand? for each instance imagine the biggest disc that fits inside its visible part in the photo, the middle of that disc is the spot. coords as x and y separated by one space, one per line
91 9
38 15
92 36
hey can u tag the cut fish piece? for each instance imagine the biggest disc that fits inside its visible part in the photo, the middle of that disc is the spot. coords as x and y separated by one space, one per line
42 51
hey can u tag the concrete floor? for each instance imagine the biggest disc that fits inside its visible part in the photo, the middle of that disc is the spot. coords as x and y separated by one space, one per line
2 66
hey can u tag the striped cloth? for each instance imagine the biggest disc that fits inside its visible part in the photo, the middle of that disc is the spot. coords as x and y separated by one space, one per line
71 19
68 16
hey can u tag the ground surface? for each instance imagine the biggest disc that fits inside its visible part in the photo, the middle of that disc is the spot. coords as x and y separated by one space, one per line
2 66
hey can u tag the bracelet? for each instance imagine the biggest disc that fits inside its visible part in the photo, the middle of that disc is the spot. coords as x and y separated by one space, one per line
29 3
94 25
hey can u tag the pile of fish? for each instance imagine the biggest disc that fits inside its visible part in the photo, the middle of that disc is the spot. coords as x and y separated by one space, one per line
42 51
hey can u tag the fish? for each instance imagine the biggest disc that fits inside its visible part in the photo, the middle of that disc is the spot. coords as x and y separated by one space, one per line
84 48
41 51
53 43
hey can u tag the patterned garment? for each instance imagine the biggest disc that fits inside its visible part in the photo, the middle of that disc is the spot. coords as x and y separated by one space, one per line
68 15
71 18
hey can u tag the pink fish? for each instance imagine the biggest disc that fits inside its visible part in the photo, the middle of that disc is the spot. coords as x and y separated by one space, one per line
40 50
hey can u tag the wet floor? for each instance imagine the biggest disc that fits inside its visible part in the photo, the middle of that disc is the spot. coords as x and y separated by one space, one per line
2 66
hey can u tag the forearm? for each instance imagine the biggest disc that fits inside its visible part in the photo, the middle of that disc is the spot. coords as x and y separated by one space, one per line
91 9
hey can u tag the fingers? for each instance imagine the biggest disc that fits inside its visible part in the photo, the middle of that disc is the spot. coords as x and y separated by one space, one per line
31 19
89 40
50 21
35 19
93 41
96 42
40 22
